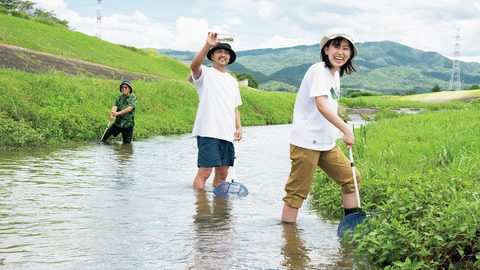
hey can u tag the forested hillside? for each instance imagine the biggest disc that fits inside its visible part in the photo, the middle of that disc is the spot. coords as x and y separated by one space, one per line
385 66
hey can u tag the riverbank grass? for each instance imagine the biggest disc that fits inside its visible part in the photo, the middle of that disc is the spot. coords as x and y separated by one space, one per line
44 109
422 174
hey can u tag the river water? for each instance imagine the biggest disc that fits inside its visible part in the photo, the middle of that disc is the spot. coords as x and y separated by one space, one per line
132 207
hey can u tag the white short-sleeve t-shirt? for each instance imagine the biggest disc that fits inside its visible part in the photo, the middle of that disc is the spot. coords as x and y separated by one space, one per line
219 96
310 129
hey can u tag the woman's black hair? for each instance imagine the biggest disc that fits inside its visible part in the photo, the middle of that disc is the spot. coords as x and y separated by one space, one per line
348 66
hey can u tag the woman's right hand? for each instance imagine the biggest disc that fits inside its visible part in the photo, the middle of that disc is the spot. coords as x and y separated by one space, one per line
348 138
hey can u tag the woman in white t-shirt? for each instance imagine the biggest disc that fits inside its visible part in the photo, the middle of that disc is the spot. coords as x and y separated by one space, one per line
316 126
217 123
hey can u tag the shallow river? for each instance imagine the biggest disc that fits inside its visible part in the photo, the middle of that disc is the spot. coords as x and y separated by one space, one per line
132 207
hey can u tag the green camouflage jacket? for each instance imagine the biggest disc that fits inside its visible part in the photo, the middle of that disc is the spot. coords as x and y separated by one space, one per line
126 120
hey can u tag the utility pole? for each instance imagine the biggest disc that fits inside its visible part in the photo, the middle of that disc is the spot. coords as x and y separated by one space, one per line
99 19
455 77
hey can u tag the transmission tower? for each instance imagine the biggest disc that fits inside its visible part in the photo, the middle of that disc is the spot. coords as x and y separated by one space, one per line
99 19
455 78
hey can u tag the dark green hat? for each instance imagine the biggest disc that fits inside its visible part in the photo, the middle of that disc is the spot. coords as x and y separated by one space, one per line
127 82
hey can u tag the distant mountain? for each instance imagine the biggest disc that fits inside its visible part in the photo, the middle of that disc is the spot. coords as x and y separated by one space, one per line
384 66
183 56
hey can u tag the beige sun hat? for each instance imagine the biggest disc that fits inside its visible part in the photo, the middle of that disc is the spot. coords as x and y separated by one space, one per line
325 39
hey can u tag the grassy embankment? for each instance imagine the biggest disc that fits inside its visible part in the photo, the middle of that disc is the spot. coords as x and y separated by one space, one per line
63 42
422 174
39 109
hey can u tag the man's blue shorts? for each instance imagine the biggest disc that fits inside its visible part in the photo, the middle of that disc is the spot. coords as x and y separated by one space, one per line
214 152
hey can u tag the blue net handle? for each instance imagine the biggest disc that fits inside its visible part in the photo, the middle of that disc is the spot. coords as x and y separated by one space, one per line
233 172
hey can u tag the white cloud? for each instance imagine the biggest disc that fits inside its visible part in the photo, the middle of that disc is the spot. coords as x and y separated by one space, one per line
134 30
192 33
61 10
139 31
267 10
233 21
427 25
58 5
280 42
469 59
233 5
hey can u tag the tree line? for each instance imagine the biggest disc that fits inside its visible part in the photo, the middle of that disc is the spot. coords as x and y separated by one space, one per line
27 9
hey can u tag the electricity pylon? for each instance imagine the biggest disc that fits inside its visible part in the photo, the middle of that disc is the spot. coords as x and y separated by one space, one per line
99 19
455 77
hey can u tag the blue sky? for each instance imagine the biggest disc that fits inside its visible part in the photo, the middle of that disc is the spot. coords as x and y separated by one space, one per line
429 25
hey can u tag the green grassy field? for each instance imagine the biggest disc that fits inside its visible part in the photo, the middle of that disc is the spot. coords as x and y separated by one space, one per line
383 102
445 96
63 42
429 101
40 109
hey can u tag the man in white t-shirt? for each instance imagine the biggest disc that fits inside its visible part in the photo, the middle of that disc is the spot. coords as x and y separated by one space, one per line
316 126
217 124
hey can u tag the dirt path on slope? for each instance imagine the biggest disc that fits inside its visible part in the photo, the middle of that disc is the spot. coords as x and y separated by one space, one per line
39 62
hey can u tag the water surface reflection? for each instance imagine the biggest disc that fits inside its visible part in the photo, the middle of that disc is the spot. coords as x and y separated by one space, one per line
213 233
294 251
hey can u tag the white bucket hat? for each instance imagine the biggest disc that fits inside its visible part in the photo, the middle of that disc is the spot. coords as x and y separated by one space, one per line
325 39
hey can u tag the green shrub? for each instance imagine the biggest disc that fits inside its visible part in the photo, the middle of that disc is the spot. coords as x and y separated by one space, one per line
3 10
19 14
18 133
46 21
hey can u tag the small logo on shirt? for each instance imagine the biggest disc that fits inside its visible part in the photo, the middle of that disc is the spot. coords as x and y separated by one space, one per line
314 141
335 93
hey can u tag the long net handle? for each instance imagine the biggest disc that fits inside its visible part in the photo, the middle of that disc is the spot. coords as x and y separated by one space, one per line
352 164
108 126
232 169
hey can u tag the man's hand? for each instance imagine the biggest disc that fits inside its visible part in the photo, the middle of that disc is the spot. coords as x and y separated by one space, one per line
111 116
238 134
212 39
